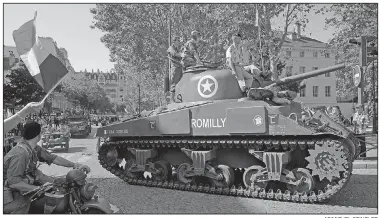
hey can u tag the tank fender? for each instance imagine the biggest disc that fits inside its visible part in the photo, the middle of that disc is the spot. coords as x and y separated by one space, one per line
99 203
237 158
352 143
176 157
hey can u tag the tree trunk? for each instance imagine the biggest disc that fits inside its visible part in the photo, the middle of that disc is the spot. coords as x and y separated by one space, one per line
274 50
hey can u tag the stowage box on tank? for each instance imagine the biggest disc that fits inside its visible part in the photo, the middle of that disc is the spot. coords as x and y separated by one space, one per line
218 141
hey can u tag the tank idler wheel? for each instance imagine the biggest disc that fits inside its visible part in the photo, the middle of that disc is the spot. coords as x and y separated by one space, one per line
181 173
131 160
251 174
305 180
228 176
111 157
165 171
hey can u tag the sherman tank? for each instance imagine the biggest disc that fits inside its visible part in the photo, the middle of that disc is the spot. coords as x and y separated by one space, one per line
217 140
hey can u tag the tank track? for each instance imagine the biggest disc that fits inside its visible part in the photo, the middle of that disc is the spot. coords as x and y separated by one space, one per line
259 144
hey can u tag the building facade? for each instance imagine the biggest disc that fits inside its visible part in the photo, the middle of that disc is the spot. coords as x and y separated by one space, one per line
10 58
112 83
303 54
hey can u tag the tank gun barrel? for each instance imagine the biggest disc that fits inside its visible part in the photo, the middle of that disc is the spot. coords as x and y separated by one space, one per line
307 75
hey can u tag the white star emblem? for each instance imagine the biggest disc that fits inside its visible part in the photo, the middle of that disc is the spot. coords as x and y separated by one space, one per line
207 86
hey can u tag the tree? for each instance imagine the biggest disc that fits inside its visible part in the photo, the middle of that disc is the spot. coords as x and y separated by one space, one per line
84 92
137 35
22 87
351 21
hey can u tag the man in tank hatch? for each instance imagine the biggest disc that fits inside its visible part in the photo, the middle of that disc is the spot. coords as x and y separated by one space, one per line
190 54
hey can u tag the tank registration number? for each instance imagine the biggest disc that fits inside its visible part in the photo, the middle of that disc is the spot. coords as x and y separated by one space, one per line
116 131
209 123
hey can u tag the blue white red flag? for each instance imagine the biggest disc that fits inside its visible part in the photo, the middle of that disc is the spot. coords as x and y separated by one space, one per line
39 56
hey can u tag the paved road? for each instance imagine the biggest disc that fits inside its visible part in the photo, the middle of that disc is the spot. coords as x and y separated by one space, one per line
359 197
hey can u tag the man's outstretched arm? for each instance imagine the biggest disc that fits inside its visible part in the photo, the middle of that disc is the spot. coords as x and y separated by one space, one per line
60 161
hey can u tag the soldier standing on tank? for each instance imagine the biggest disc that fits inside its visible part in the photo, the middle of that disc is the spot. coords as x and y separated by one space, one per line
234 61
190 54
174 53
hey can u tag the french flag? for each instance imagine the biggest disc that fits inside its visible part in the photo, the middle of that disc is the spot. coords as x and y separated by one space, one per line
39 56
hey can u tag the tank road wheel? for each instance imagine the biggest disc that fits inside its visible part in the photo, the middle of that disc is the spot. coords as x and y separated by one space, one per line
228 176
165 171
251 175
130 161
111 157
305 180
181 173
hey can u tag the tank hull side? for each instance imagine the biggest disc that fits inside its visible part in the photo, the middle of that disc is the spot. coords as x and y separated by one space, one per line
214 119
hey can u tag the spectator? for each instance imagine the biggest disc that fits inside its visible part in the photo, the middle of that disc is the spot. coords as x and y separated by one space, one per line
361 120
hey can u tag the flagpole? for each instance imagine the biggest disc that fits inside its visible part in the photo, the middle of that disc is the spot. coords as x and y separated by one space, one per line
52 89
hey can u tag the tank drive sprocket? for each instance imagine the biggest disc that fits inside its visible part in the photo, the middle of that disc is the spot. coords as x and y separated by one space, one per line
327 160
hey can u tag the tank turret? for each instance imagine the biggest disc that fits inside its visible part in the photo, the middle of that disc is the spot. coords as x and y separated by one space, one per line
204 84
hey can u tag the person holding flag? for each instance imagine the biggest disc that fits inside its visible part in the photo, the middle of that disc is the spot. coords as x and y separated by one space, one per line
11 122
20 171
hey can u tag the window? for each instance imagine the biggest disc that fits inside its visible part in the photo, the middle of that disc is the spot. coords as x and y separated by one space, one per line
327 75
288 53
326 55
315 54
328 91
315 90
289 70
315 68
302 92
302 69
302 54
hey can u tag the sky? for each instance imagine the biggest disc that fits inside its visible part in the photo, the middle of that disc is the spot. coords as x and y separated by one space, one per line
69 26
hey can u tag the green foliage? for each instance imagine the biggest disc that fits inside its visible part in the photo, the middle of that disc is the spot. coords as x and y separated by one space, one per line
22 87
85 92
137 36
352 21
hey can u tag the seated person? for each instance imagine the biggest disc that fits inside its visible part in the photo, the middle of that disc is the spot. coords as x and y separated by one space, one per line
234 61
